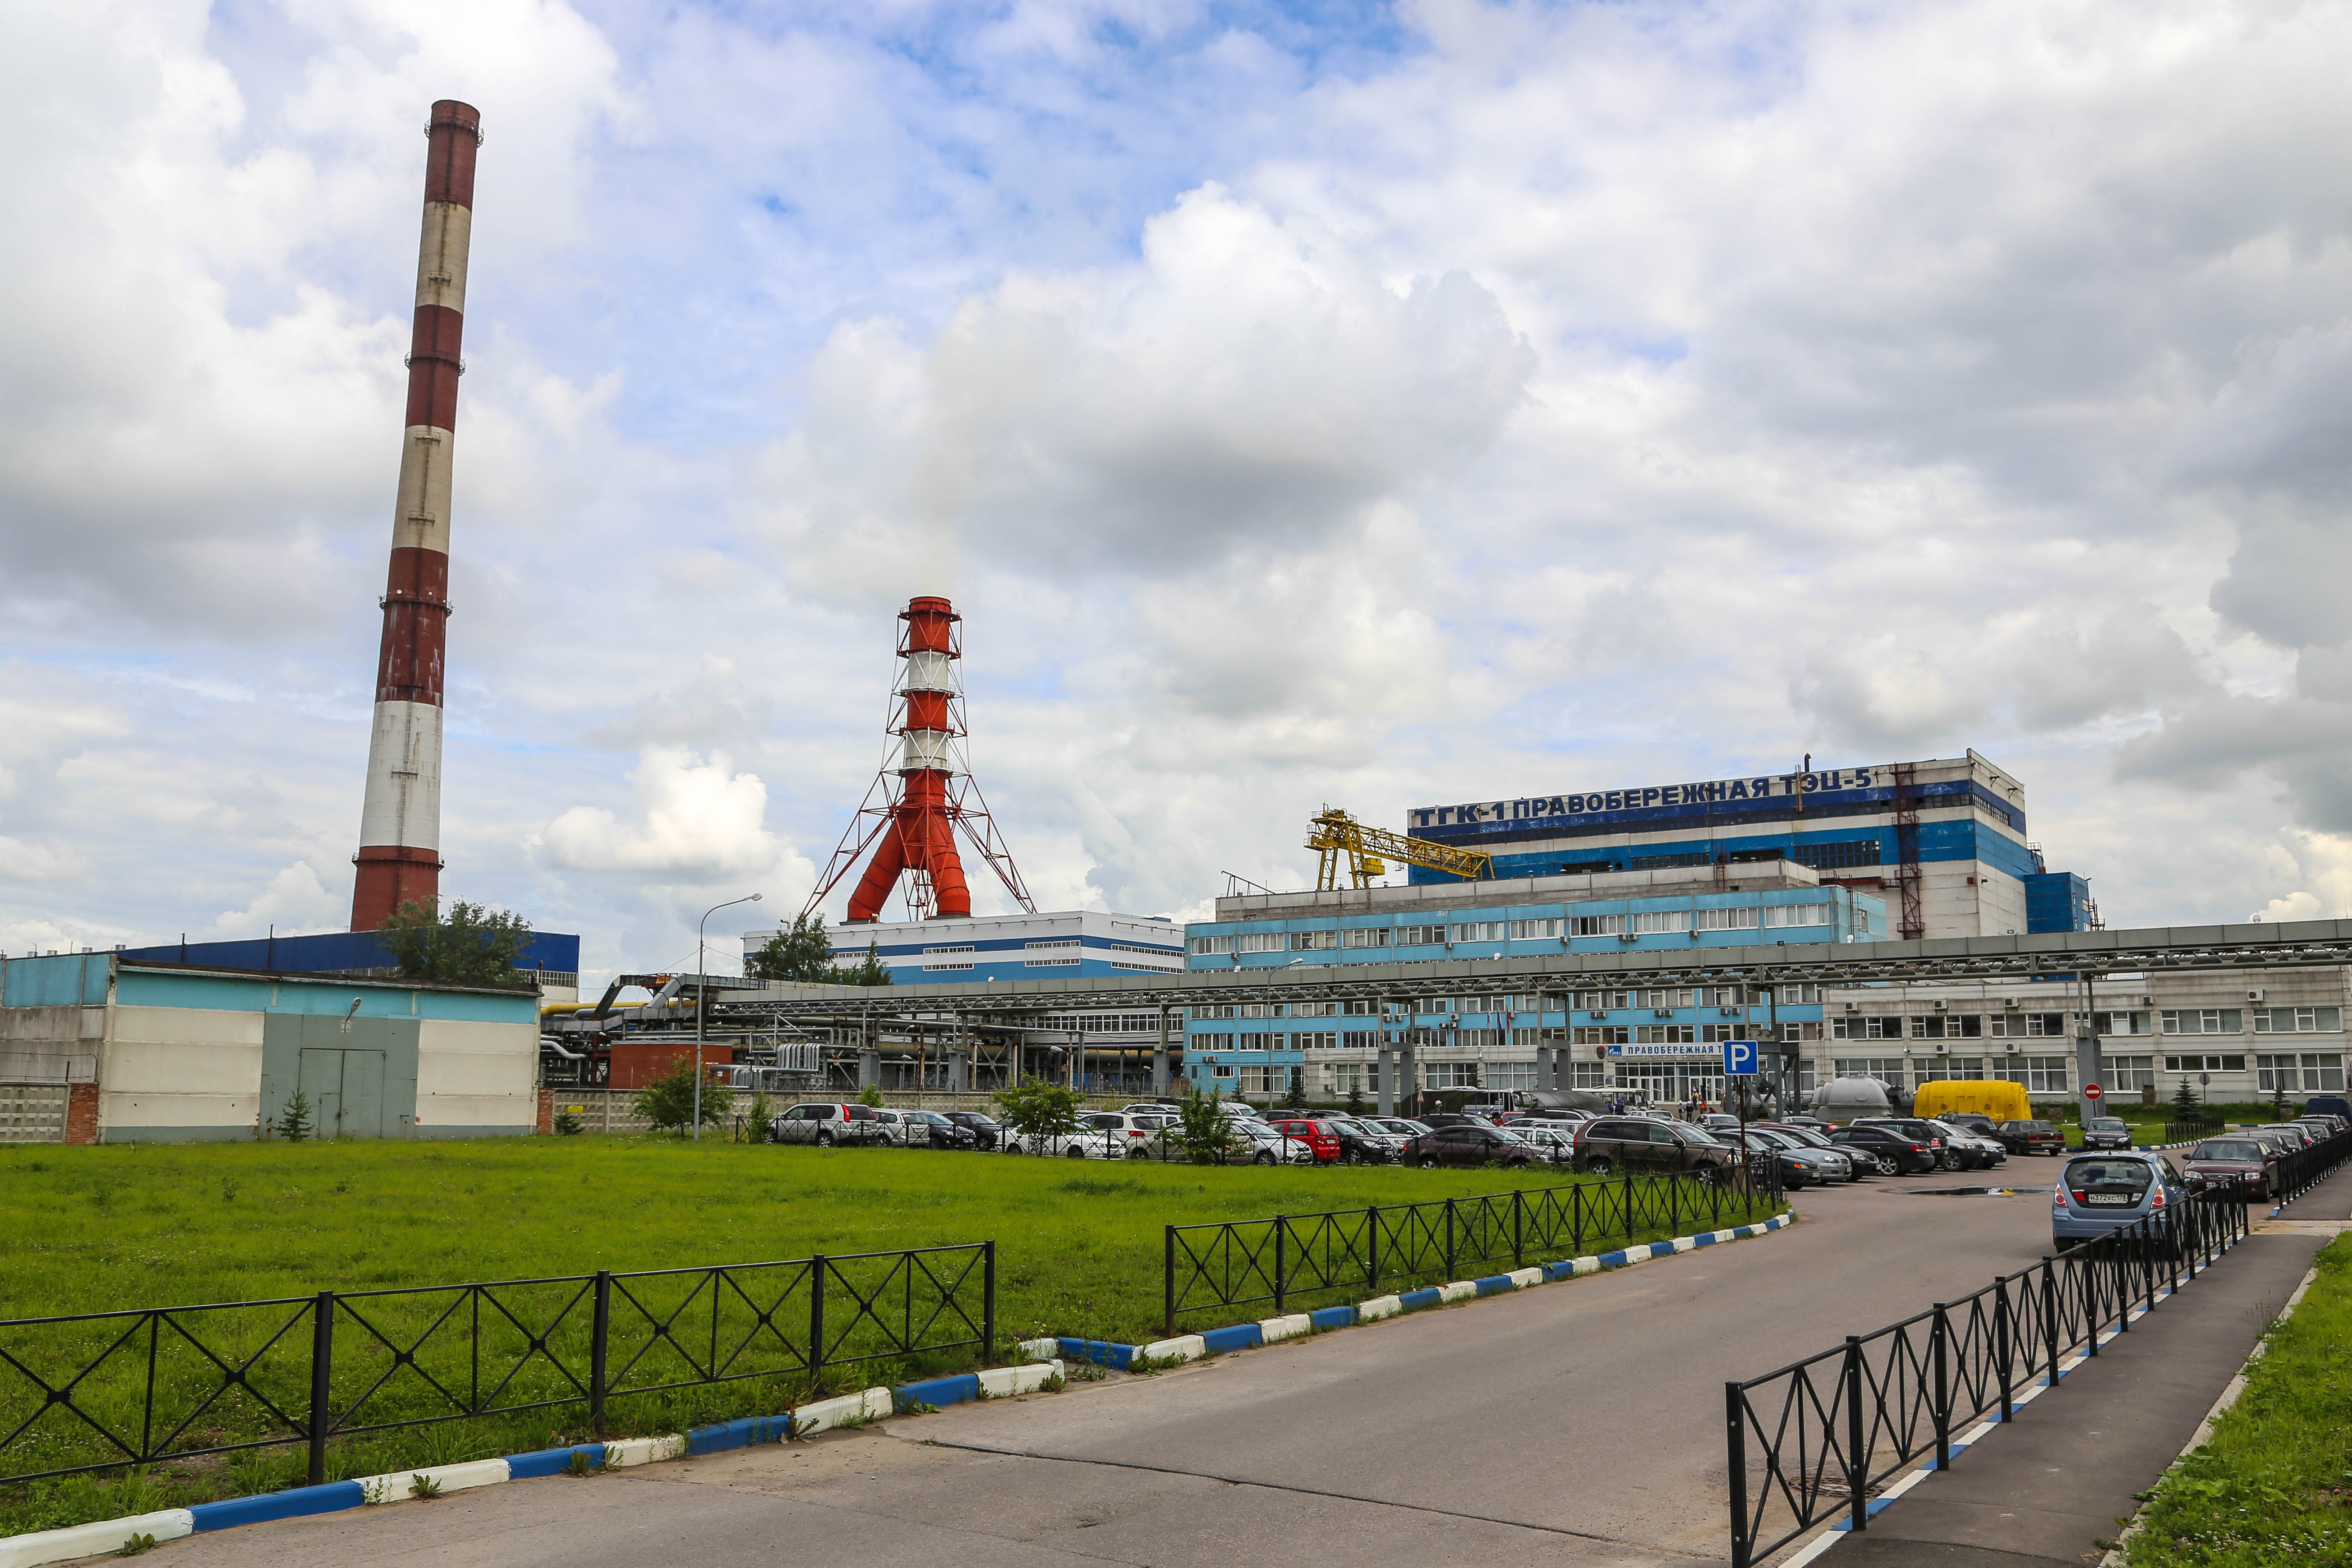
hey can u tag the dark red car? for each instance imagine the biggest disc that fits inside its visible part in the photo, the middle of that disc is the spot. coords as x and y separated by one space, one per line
2032 1138
1314 1134
2246 1165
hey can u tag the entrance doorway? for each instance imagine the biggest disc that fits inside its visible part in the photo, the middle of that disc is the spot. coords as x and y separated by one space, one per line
345 1088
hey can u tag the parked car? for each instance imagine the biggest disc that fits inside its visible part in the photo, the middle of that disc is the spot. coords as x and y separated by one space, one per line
1467 1142
2302 1135
1897 1153
825 1125
1135 1129
1259 1145
1811 1124
2334 1105
1566 1121
1403 1126
985 1129
2107 1132
1850 1166
1720 1122
929 1129
1313 1132
2098 1194
1456 1119
1800 1167
1991 1152
1950 1154
1360 1143
1558 1144
2278 1142
2247 1164
1153 1108
893 1125
2033 1138
1975 1122
1646 1145
1087 1143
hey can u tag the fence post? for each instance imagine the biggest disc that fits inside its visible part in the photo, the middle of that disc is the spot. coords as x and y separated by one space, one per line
2002 1354
1942 1340
323 1388
2090 1277
987 1302
817 1324
1373 1224
1168 1288
1628 1205
1280 1232
1857 1462
2050 1316
2147 1262
1673 1204
1735 1433
599 1334
1576 1222
1519 1228
1449 1239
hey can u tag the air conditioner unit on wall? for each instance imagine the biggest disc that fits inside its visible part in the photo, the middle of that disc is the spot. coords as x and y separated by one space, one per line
1940 1006
2254 995
1853 1006
1943 1048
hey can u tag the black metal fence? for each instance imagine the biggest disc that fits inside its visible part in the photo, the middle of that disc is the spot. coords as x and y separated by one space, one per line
1811 1441
2189 1130
93 1390
1288 1261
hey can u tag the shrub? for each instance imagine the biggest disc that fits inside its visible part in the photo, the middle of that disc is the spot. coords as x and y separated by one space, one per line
1203 1128
669 1101
294 1119
1036 1109
761 1116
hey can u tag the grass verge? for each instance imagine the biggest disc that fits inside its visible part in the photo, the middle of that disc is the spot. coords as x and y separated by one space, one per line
116 1226
2272 1486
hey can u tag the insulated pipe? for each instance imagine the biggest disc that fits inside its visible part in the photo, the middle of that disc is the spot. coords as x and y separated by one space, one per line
400 821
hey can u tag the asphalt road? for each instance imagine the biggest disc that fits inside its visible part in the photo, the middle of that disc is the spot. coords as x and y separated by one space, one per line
1580 1423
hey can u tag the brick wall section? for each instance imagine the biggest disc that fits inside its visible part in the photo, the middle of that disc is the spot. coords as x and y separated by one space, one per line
546 1128
81 1113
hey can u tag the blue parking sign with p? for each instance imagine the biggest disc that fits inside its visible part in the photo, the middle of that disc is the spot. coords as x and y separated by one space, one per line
1739 1058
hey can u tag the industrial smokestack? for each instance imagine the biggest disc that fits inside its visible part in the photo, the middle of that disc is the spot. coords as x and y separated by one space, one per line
400 823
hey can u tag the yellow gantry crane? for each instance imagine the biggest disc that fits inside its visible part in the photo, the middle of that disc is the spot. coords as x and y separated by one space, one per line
1369 850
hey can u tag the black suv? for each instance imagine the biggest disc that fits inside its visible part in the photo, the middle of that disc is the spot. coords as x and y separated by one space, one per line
1355 1148
983 1130
1645 1145
1897 1153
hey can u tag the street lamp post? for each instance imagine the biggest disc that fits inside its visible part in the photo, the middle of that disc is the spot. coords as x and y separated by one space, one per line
702 999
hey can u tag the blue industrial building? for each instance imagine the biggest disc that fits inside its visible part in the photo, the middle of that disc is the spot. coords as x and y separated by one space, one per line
1973 871
1665 1044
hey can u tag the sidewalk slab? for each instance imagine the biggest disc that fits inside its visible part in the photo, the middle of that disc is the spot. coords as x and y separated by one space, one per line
2062 1474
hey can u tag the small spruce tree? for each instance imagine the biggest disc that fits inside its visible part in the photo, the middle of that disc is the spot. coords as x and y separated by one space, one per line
1294 1097
1356 1106
294 1118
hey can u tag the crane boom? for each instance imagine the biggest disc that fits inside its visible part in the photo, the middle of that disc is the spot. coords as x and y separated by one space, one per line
1367 849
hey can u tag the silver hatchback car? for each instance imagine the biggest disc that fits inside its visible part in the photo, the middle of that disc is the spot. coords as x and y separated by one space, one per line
2098 1194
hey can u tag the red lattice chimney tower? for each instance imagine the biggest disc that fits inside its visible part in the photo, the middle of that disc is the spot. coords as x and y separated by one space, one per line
400 823
925 791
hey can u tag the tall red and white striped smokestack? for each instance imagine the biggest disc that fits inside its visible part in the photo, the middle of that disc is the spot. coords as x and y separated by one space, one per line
400 824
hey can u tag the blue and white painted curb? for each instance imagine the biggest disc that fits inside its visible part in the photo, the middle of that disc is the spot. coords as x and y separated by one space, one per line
1273 1331
108 1535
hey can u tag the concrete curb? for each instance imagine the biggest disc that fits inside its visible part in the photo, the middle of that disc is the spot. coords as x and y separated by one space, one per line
1273 1331
42 1546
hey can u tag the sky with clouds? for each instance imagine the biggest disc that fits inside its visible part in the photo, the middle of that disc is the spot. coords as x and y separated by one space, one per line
1373 405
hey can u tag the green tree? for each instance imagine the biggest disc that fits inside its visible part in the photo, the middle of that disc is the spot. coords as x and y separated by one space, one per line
1036 1109
669 1101
468 945
2185 1105
294 1118
1203 1128
1294 1097
801 952
760 1117
1356 1106
870 971
870 1095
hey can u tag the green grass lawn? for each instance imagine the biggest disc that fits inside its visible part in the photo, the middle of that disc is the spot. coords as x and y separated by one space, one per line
2273 1485
1079 1248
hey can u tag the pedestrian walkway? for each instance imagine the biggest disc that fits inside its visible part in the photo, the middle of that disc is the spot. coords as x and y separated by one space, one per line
2061 1479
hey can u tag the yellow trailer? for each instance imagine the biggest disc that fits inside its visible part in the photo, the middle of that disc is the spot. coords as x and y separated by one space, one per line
1996 1098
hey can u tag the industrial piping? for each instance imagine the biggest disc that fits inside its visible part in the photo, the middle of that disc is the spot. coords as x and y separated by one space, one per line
400 822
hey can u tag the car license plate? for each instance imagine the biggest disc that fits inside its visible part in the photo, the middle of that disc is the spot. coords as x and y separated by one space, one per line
2117 1199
